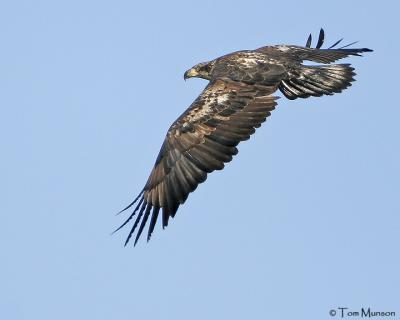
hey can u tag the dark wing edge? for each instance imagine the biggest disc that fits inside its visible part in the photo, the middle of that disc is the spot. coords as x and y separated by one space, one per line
202 140
317 54
330 54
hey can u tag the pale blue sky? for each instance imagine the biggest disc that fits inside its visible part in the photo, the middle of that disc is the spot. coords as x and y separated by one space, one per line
304 220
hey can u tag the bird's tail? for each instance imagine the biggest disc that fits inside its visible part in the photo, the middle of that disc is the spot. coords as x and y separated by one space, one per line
306 81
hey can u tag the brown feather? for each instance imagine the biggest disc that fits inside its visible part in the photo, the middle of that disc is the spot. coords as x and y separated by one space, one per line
202 140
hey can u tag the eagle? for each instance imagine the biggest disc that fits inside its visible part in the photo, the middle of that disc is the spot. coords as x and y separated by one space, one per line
235 102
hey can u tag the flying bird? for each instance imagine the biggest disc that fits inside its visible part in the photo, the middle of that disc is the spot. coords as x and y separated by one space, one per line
236 101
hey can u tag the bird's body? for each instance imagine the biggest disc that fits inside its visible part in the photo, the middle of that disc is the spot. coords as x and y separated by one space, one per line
236 101
248 67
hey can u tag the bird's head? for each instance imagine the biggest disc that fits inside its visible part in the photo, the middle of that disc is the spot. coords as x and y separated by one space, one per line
200 70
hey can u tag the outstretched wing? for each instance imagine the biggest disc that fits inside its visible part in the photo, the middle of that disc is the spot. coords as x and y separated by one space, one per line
299 54
200 141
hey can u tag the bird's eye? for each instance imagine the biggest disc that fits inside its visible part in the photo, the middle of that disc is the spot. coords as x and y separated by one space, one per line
205 68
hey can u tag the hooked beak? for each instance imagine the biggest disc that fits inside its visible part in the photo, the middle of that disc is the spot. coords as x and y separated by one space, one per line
189 74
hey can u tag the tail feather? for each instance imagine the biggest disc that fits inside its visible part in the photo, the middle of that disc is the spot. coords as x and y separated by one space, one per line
306 81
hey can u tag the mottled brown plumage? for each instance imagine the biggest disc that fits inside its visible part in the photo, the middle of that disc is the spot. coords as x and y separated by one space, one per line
234 103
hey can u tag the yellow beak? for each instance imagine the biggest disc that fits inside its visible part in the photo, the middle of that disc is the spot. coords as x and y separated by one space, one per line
190 74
